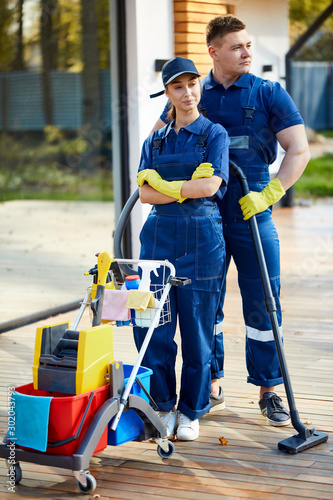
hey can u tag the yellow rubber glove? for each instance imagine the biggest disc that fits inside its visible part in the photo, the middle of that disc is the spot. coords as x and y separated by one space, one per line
143 176
169 188
203 170
254 203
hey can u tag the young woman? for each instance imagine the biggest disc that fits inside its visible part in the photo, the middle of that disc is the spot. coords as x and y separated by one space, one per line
183 171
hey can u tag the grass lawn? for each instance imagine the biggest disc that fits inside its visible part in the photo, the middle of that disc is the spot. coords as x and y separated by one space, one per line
55 167
48 182
317 179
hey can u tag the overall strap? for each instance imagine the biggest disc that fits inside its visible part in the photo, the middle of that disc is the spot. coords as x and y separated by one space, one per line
202 139
250 105
157 146
158 142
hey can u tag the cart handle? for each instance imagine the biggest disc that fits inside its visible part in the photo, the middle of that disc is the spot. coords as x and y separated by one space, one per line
161 263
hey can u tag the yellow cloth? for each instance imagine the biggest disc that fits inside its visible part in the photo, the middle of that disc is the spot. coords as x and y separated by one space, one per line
169 188
203 170
254 202
140 300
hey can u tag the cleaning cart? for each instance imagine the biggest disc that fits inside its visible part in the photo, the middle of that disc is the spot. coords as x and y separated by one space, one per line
81 399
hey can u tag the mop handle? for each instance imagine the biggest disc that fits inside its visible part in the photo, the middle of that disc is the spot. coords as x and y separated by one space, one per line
154 323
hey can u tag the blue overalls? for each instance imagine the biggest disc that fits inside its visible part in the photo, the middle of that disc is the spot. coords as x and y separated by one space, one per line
261 356
190 236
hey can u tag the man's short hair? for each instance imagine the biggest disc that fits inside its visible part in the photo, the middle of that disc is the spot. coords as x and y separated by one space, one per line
221 26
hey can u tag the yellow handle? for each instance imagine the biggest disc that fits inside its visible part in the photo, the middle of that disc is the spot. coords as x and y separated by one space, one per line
103 264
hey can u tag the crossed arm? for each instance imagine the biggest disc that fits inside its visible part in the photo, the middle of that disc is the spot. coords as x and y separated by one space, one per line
194 188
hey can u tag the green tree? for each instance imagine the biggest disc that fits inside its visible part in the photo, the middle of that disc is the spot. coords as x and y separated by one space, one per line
103 23
19 55
7 39
54 25
69 33
302 14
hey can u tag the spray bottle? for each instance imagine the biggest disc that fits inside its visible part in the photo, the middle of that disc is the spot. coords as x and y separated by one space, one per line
144 318
147 267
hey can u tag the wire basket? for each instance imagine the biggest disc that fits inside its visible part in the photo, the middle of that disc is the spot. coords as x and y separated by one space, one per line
144 319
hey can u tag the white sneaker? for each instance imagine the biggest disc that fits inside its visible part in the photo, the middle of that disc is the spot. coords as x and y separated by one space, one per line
188 430
169 418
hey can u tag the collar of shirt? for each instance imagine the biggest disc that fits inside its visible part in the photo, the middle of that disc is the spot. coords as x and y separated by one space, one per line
243 81
194 127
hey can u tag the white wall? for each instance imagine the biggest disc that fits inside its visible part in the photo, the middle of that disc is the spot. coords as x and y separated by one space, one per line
149 34
267 24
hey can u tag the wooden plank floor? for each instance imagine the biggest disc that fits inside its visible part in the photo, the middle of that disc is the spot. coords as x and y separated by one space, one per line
249 465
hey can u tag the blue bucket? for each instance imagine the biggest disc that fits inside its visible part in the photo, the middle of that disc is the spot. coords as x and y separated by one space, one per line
130 425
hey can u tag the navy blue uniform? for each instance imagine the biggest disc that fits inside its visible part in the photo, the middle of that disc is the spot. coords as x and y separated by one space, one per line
253 111
189 235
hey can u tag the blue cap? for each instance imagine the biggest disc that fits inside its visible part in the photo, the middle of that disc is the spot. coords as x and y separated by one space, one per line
173 68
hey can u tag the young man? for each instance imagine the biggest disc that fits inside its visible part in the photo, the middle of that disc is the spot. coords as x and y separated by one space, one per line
257 114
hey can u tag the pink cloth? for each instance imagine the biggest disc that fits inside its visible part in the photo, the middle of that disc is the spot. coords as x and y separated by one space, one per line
114 305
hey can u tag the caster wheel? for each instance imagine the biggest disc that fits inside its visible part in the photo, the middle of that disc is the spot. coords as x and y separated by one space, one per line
91 485
15 474
166 454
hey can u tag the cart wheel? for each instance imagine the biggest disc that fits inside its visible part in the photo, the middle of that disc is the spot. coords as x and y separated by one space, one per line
91 485
17 471
166 454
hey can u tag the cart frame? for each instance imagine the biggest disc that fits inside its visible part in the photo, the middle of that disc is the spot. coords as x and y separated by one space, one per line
120 400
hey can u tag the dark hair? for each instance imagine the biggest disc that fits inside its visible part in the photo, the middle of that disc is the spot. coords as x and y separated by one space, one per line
221 26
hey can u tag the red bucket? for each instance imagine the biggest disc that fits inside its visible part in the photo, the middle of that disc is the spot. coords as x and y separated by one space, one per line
66 414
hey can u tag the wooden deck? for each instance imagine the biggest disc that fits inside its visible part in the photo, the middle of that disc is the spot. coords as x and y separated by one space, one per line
249 465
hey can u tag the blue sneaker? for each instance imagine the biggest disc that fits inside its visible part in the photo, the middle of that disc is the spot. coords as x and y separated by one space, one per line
272 408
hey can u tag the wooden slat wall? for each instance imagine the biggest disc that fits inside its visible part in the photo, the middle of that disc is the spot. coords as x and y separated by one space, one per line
190 20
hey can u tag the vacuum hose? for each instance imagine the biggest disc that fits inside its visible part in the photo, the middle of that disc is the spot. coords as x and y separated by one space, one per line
270 306
119 232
